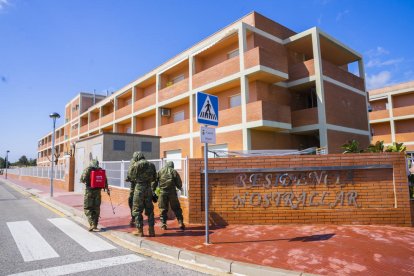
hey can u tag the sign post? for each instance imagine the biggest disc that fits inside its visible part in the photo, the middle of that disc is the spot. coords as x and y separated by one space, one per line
207 114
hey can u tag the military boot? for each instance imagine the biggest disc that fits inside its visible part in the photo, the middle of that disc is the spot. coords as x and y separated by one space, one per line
181 224
132 221
151 231
139 232
164 226
91 228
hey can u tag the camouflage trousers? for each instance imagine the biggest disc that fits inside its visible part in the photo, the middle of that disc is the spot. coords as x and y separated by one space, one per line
169 198
92 205
131 197
143 201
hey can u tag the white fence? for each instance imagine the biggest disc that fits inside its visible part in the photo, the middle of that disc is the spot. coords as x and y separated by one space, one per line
41 172
116 171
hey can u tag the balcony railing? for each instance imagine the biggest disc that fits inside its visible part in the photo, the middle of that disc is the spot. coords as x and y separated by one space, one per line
261 56
341 75
302 70
404 137
94 124
174 129
378 115
173 90
305 117
123 111
268 111
149 131
386 138
403 111
217 72
107 118
144 102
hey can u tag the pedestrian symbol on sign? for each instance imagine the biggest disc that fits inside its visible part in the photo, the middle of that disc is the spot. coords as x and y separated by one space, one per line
207 112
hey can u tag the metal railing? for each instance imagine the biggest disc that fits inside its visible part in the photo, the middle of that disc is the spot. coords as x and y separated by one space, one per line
116 172
41 172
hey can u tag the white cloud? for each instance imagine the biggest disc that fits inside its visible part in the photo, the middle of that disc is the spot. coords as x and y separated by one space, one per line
379 51
378 63
320 20
340 15
3 4
378 80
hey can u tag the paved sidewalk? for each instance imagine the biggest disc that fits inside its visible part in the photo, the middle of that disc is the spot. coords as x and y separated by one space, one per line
268 250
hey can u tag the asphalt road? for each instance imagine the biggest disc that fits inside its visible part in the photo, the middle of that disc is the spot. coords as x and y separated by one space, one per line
35 240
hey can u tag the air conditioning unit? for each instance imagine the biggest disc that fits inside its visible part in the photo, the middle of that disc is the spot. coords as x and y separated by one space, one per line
166 112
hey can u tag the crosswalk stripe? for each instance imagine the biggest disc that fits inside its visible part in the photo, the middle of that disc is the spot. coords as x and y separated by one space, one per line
85 266
87 240
31 244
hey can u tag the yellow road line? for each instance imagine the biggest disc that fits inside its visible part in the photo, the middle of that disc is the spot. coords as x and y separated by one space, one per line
49 207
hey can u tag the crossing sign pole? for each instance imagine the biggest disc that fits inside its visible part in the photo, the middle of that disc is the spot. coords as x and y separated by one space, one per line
207 114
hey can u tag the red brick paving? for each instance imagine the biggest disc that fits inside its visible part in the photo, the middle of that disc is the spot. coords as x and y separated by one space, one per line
319 249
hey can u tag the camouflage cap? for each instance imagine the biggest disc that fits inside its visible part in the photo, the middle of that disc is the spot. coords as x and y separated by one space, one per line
140 155
135 155
170 164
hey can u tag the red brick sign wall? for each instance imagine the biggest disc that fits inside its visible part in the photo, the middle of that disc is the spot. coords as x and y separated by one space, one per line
328 189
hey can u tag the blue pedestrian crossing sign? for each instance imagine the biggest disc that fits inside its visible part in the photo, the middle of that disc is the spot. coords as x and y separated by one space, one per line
207 109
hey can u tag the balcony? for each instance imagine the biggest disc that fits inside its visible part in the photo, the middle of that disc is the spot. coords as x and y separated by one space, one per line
83 129
378 115
107 119
386 138
305 117
94 124
217 72
268 111
343 76
173 129
123 111
302 70
173 90
150 131
404 137
260 56
144 102
403 111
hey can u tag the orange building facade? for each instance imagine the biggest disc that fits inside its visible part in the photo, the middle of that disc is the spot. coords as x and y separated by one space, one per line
277 89
392 114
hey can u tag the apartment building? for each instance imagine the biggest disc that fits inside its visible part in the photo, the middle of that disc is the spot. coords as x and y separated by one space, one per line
392 114
277 89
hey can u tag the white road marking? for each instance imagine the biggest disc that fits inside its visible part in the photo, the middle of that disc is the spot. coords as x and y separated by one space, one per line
31 244
4 194
87 240
80 267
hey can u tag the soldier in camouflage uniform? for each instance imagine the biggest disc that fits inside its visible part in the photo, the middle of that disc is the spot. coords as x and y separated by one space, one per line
169 180
143 173
92 197
133 184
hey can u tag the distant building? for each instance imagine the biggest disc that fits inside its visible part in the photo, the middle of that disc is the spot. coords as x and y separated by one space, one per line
277 89
392 114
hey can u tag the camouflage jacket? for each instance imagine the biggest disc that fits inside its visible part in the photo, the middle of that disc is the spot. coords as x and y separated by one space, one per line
142 172
86 177
169 180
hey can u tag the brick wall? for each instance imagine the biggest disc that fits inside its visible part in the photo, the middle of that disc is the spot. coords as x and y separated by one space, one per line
363 196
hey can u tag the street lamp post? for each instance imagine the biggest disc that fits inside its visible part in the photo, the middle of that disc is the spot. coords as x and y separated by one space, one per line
7 158
54 116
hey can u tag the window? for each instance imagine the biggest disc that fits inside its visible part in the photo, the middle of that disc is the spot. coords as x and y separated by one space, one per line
235 100
175 156
178 116
233 54
146 146
128 130
119 145
128 102
215 151
178 78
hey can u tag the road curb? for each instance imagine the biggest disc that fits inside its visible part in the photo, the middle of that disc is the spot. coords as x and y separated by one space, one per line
217 264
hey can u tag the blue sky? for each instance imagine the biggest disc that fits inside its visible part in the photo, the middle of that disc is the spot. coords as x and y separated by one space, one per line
51 50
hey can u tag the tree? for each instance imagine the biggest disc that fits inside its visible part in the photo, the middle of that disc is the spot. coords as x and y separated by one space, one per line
2 163
23 161
32 162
